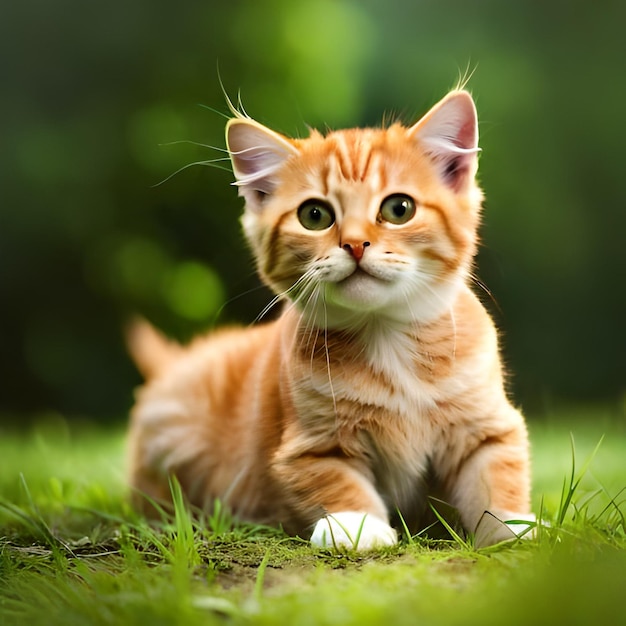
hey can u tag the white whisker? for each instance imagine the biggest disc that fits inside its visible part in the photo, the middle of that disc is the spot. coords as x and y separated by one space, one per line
268 307
485 289
311 330
308 321
198 144
305 278
453 320
207 163
330 378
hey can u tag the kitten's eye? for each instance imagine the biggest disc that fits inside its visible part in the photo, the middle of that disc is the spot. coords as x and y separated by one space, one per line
316 215
397 209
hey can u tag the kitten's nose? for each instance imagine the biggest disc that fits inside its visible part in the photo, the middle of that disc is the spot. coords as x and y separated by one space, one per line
356 249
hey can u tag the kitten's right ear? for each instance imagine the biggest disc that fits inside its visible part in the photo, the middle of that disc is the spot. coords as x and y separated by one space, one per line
257 154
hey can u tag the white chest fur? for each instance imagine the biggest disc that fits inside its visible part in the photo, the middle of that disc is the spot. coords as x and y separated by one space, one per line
391 351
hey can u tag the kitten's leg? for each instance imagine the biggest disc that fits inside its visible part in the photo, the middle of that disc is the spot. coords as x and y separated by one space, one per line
349 511
494 477
166 438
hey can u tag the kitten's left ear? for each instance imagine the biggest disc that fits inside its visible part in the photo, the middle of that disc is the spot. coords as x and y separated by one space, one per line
449 134
257 153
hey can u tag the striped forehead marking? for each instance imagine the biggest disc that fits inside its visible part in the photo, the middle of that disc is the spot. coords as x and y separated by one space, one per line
353 157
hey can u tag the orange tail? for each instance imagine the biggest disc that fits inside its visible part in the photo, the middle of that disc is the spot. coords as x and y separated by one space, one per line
151 350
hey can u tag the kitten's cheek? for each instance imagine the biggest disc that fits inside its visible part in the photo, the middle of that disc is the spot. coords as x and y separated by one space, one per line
354 531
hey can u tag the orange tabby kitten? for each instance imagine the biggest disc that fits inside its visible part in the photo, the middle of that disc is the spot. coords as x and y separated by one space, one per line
381 375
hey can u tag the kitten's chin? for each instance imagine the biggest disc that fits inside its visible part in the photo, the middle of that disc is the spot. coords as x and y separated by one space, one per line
360 291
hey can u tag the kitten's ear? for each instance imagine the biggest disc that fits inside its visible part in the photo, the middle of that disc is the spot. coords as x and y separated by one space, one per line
257 153
449 133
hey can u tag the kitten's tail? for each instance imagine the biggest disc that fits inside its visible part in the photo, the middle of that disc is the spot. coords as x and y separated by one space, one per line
151 350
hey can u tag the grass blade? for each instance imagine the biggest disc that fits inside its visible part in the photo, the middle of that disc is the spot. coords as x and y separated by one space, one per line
457 538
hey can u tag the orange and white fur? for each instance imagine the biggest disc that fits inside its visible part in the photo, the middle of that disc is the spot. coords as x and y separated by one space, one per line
382 374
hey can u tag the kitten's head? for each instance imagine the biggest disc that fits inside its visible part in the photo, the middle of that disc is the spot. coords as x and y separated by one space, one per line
363 222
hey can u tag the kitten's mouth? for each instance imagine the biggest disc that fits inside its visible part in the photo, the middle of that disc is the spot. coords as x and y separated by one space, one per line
360 273
360 281
356 276
361 290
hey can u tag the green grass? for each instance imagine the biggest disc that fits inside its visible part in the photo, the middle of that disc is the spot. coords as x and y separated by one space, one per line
73 552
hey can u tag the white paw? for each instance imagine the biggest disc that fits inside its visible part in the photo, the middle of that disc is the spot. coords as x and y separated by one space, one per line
352 530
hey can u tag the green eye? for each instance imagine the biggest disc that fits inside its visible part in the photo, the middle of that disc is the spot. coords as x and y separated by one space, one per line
397 209
316 215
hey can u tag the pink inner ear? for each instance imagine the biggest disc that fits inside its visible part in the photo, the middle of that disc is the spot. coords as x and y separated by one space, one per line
251 161
467 135
248 151
450 123
449 134
257 154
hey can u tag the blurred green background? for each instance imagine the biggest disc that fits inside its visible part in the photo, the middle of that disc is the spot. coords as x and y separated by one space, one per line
95 96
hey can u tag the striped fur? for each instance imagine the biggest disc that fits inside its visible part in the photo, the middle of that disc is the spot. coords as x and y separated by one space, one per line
383 369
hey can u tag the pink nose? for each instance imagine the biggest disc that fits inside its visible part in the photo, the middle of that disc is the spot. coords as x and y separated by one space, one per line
356 249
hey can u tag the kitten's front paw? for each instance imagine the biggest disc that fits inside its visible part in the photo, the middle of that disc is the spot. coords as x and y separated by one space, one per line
352 530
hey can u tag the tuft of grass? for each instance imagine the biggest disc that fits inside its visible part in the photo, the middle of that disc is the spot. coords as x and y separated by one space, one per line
73 552
463 545
570 487
185 551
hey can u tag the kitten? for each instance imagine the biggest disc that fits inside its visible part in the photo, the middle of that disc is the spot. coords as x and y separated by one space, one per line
381 374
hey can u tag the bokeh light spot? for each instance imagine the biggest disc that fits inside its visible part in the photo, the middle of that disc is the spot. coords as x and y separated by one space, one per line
193 290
